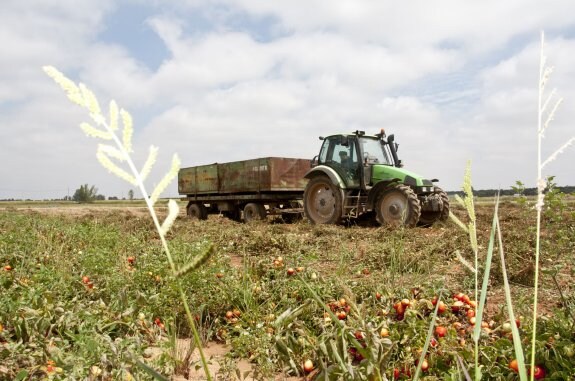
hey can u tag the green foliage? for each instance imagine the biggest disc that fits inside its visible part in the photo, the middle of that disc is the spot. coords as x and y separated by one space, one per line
115 319
555 201
85 194
519 193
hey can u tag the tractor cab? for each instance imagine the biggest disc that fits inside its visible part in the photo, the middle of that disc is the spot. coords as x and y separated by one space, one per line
352 156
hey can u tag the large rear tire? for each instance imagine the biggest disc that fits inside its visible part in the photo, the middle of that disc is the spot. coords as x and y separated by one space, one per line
254 212
428 218
322 201
197 211
397 205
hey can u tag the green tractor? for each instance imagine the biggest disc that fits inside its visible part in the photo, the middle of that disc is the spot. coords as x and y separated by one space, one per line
358 175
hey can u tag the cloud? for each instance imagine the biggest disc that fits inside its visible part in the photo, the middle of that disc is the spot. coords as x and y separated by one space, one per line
248 78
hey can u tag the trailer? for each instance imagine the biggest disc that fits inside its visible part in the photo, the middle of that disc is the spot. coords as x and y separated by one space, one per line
252 188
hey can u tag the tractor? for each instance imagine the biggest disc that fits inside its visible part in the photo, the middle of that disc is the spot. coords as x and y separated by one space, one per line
358 175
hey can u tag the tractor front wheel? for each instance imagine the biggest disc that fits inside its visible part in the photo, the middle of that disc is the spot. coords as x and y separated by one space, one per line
322 201
397 205
428 218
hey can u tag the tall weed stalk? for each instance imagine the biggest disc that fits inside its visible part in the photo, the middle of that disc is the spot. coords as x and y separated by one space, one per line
115 156
471 230
544 118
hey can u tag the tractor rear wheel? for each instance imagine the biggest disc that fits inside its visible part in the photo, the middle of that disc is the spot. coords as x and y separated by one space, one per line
197 211
397 205
428 218
322 201
254 212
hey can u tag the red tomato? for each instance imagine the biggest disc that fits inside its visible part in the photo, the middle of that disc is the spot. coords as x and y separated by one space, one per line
442 308
440 331
539 372
514 366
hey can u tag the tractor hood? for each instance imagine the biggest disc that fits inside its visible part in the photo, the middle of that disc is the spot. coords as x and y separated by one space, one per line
387 172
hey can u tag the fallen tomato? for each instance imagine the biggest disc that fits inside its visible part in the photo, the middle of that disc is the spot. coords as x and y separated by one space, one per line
440 331
539 372
308 366
513 365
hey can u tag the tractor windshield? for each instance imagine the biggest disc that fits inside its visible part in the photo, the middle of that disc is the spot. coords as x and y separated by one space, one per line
374 151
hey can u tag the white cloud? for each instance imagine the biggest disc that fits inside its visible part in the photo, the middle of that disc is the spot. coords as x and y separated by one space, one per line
452 80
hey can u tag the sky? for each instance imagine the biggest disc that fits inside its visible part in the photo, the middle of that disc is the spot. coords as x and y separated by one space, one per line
224 80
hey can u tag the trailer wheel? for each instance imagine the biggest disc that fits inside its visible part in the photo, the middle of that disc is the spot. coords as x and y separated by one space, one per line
322 201
197 211
254 212
397 205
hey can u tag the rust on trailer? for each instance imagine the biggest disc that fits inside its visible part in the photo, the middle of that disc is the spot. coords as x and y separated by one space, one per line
268 174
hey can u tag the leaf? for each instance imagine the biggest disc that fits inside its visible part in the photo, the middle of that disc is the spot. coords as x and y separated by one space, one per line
173 211
94 132
110 166
91 103
458 222
113 115
128 130
427 339
486 273
152 372
196 262
172 173
72 91
152 156
514 331
112 151
22 375
464 261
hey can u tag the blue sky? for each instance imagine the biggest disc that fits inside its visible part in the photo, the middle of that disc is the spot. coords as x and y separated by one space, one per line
228 80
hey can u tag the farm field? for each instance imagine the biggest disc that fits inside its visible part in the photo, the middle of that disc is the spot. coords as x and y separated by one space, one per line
86 293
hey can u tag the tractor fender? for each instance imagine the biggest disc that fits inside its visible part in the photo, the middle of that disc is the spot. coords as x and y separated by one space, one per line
374 192
327 171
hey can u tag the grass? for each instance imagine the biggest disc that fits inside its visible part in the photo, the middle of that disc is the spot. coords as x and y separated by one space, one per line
48 306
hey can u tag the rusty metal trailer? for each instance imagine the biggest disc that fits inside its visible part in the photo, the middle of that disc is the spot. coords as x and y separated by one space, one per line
252 188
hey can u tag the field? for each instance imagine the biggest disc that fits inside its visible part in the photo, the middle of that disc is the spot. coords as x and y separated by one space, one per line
86 294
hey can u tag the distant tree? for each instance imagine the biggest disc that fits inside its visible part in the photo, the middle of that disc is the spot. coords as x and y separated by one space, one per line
100 197
85 194
113 198
130 194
